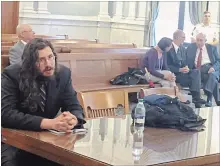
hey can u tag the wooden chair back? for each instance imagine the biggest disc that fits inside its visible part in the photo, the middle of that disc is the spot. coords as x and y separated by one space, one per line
97 104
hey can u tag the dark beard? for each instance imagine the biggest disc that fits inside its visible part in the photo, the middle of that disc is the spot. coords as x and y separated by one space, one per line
41 77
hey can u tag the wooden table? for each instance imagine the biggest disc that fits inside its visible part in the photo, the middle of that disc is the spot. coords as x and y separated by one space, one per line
110 142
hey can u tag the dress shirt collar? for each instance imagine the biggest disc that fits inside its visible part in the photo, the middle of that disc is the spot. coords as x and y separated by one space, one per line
23 42
176 47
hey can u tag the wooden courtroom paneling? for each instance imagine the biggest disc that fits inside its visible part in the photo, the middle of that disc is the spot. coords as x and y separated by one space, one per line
9 16
4 61
79 45
98 68
72 41
108 50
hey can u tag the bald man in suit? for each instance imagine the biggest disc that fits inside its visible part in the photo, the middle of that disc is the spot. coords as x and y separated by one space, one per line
25 34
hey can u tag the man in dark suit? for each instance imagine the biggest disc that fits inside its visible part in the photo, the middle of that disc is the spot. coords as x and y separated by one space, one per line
33 92
205 57
176 60
25 34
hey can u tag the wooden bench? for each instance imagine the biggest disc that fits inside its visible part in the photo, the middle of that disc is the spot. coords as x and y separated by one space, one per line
64 49
7 43
79 45
4 61
93 71
105 50
97 68
71 41
5 49
14 37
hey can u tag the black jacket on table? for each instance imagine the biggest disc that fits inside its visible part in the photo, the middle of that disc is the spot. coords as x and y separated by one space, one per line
212 52
60 94
175 61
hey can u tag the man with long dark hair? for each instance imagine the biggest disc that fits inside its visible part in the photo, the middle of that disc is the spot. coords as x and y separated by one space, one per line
33 92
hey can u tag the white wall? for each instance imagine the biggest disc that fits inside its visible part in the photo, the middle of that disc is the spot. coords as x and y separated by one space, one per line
74 8
84 20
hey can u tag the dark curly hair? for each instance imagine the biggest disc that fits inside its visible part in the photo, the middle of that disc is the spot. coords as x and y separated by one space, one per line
29 72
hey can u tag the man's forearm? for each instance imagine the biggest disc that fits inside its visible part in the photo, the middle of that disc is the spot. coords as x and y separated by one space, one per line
46 124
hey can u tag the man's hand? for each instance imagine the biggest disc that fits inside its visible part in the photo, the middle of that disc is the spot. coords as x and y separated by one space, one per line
64 122
184 69
169 76
173 77
211 70
71 119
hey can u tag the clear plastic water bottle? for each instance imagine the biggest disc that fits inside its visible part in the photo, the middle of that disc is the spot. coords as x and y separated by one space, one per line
139 116
137 149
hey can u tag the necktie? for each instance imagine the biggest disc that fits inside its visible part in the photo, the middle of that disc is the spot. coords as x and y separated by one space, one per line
178 51
199 62
42 97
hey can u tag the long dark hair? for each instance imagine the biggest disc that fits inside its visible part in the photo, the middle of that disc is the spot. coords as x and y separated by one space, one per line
29 71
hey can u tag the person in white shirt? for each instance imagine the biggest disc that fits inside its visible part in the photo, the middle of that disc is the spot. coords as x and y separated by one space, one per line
205 57
211 31
177 63
25 34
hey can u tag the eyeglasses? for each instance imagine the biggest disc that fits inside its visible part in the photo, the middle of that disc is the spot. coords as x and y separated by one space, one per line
207 16
44 60
28 31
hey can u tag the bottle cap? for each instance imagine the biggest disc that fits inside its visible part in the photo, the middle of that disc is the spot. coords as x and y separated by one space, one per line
140 100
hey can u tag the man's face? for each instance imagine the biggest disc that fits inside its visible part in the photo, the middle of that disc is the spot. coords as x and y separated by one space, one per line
182 38
200 41
46 62
27 33
207 18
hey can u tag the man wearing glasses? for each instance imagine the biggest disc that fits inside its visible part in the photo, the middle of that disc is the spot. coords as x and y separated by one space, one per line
177 63
32 93
25 34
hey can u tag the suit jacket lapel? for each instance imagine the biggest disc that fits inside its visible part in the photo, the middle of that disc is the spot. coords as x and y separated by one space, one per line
209 51
173 53
21 47
177 56
194 50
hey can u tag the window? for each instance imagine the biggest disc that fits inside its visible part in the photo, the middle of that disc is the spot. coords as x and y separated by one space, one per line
214 9
188 26
167 20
